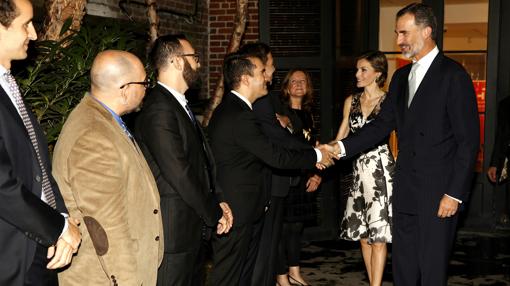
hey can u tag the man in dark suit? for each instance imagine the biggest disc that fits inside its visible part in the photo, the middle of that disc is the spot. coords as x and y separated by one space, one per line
242 152
432 106
277 181
35 235
501 151
181 161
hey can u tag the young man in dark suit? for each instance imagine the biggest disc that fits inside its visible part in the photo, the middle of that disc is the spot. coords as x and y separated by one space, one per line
277 181
242 152
35 235
181 160
432 105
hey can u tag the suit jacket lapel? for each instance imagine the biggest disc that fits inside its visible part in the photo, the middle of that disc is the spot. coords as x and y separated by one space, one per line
94 104
209 157
196 130
6 101
428 79
403 94
180 110
429 82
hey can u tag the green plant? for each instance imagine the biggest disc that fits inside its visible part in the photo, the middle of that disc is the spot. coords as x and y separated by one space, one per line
55 81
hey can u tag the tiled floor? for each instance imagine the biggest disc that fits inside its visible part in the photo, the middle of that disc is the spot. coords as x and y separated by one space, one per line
479 259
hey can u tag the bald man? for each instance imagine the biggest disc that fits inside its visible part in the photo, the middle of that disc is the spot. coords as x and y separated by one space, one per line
106 182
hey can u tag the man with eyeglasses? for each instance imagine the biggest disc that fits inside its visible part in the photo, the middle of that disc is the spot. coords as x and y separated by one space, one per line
180 157
106 182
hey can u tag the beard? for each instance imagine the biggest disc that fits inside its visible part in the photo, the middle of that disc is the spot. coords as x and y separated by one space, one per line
414 49
191 76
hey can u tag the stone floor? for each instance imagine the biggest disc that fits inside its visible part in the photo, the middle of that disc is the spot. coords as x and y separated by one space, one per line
479 259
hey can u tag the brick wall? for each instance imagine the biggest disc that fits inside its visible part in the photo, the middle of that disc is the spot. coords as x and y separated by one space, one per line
176 16
208 27
221 25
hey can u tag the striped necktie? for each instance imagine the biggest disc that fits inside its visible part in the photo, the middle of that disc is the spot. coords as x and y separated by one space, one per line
46 185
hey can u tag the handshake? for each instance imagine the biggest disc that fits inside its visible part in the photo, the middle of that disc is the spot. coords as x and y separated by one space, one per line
329 152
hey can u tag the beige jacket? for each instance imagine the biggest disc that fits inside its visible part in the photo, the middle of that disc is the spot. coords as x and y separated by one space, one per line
103 174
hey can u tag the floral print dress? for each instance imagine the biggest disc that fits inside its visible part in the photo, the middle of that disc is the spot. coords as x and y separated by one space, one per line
368 213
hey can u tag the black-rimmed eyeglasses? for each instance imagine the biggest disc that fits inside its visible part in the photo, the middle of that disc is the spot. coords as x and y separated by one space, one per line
196 57
145 84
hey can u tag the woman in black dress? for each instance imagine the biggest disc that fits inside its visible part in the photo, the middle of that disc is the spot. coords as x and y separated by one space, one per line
296 108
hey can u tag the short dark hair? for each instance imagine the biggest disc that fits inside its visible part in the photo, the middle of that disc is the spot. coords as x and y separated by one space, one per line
258 49
423 16
8 12
235 66
379 62
164 47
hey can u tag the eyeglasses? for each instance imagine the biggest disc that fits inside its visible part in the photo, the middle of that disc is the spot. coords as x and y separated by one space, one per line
145 84
196 57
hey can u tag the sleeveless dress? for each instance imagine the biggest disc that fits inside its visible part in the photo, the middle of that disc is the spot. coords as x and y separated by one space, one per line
368 213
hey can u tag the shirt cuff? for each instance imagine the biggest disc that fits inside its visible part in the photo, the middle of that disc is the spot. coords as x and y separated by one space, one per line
459 201
319 154
342 149
66 224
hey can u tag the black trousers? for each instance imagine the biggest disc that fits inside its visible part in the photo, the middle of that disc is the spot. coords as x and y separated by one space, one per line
234 255
264 272
421 249
183 268
289 249
38 274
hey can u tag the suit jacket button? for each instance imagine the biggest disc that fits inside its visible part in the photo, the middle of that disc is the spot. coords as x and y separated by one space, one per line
421 134
414 153
157 238
38 178
155 211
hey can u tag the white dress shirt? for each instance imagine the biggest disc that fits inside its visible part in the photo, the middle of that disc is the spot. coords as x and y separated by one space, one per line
179 96
423 66
241 97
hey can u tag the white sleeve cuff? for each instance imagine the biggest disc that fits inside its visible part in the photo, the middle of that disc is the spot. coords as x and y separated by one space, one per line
342 149
459 201
319 154
66 225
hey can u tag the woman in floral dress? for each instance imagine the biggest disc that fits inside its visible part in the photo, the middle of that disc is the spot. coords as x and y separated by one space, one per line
368 212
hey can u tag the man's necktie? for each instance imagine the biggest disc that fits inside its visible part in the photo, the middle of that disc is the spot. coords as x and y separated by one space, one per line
191 115
46 186
204 149
413 82
126 130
